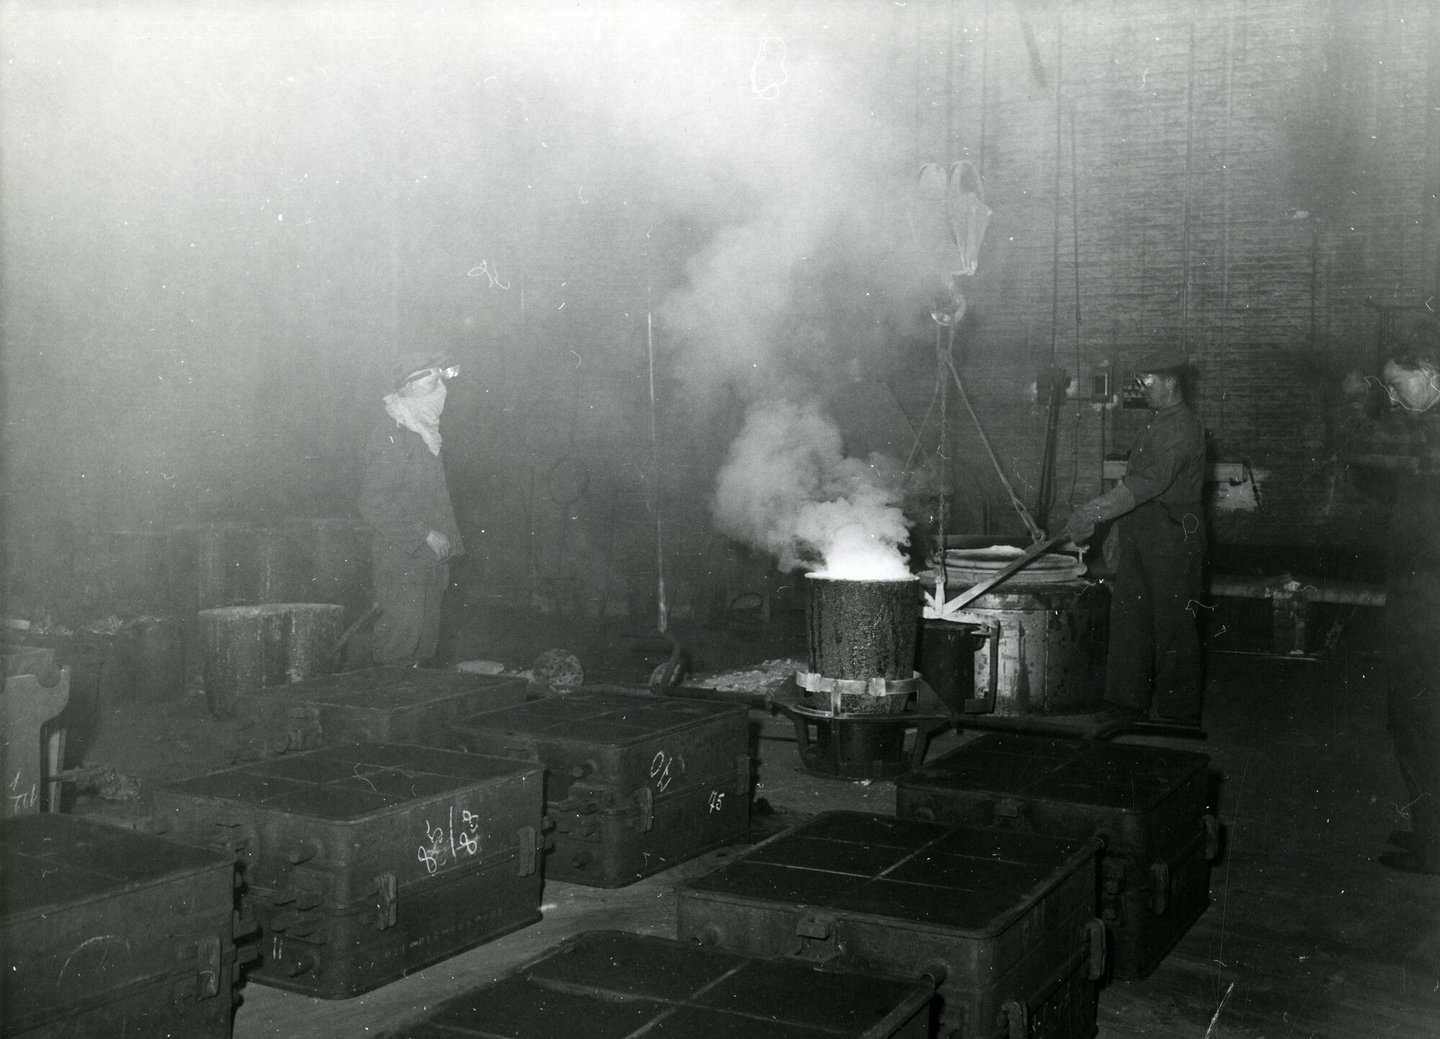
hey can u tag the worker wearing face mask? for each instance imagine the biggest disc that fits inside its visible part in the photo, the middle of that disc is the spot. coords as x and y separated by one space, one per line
405 500
1406 444
1154 654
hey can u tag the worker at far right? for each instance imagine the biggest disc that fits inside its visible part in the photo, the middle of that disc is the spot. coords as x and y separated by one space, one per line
1406 444
1153 662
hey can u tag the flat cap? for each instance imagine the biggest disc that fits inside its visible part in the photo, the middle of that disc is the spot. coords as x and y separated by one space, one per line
1165 363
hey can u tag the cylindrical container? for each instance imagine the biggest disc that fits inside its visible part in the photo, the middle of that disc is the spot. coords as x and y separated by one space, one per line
248 648
242 650
947 660
1051 651
856 750
313 631
862 629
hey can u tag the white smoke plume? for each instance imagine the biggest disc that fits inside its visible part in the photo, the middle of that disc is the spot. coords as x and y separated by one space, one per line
788 489
768 129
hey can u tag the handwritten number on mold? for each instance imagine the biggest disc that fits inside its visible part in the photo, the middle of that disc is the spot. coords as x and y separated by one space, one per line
447 843
482 270
767 72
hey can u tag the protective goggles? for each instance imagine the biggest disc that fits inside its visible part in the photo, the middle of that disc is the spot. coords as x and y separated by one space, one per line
425 373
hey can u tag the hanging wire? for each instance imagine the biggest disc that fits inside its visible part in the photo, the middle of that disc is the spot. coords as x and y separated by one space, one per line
984 74
1035 532
1189 185
661 605
1075 240
942 446
1055 229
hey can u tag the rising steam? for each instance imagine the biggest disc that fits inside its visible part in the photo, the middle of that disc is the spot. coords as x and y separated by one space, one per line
787 489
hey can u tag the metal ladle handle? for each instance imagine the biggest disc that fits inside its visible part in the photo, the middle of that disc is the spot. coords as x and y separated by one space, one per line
1032 553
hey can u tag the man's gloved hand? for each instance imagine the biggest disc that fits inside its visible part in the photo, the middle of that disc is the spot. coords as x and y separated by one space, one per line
439 544
1079 528
1115 502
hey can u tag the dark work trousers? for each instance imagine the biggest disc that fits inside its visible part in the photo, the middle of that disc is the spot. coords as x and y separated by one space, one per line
1154 634
1412 621
409 586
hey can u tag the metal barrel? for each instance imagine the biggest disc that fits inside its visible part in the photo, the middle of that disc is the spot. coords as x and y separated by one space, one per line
862 629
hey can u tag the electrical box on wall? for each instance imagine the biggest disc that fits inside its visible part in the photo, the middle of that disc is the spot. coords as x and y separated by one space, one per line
1131 395
1100 386
1051 382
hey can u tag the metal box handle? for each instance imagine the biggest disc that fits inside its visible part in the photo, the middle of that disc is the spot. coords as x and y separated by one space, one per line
1008 812
1096 931
1212 836
816 927
819 938
988 629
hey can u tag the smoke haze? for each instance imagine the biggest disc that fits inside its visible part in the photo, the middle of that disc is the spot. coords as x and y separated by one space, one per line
222 219
788 489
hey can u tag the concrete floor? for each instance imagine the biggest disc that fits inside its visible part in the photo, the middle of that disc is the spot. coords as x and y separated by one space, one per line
1308 934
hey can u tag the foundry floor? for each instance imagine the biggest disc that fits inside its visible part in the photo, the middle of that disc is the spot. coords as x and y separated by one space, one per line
1308 935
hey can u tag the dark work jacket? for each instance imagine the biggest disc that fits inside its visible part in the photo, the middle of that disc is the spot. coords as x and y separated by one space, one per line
1167 463
404 495
1408 447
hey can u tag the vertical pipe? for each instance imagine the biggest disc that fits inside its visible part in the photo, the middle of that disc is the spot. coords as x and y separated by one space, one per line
660 604
949 89
1055 228
1075 252
919 155
1224 345
1430 200
1189 175
984 77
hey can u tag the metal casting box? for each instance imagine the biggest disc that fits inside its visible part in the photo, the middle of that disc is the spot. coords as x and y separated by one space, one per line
109 932
1007 919
611 984
1148 806
379 704
634 784
363 863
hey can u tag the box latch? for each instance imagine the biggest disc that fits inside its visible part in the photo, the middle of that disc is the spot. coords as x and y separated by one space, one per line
387 901
1160 893
529 842
742 774
207 966
645 809
234 837
1112 887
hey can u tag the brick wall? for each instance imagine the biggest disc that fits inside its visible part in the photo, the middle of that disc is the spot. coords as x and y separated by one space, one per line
1242 178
